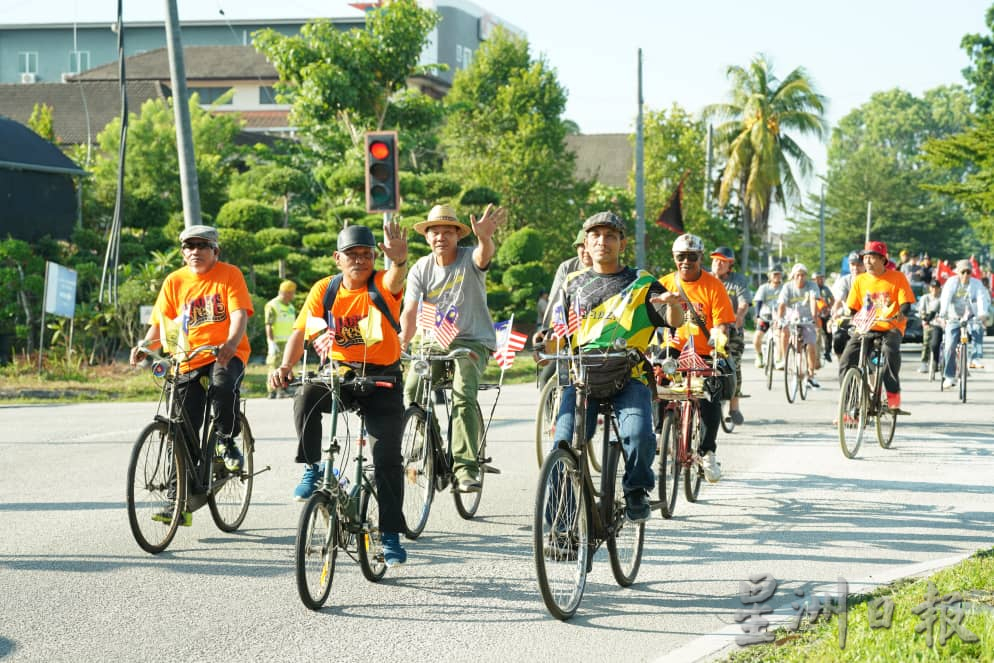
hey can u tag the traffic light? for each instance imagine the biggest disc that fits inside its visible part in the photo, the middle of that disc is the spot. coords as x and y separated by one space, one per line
382 190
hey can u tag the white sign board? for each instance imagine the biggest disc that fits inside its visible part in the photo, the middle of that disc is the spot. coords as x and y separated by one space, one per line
145 313
60 290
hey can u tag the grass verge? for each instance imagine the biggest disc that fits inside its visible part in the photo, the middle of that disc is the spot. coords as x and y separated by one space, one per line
952 605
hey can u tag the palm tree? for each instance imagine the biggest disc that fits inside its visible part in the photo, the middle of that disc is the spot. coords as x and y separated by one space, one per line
754 139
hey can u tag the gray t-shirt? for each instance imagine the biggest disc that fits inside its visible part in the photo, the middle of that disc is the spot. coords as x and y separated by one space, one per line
737 288
458 291
766 299
799 299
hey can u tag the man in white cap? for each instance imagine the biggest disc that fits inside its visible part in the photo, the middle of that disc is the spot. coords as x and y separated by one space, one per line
208 302
765 301
800 296
840 292
962 298
453 279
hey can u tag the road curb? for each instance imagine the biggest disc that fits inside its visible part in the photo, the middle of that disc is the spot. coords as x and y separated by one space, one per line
720 644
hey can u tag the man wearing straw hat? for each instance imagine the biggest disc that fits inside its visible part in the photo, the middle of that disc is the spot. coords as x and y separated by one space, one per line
453 279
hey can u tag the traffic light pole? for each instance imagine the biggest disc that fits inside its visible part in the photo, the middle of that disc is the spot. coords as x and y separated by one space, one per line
639 179
189 187
387 218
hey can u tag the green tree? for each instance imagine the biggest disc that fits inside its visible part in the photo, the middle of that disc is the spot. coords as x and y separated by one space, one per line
980 74
876 155
757 144
504 130
41 122
336 78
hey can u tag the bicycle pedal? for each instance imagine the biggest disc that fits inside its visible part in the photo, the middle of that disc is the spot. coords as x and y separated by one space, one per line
489 469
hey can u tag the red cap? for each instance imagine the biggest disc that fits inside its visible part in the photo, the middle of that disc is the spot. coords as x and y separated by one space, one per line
875 247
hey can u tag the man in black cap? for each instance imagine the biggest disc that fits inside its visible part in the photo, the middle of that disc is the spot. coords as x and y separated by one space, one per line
373 349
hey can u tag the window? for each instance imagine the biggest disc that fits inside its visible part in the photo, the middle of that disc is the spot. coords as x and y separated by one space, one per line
267 95
27 62
78 61
210 95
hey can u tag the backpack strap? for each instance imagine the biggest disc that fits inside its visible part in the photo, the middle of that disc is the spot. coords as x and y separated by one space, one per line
374 294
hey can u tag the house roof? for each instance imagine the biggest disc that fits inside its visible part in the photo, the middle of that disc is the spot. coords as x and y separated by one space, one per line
22 147
606 158
79 110
202 63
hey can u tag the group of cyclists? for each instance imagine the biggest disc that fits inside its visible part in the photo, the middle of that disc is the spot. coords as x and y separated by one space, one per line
368 316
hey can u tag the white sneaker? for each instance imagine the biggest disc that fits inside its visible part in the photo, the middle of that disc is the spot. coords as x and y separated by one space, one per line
712 468
948 383
923 368
759 361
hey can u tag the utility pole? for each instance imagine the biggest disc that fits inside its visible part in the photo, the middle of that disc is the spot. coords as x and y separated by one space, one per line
181 110
639 177
707 170
869 215
821 228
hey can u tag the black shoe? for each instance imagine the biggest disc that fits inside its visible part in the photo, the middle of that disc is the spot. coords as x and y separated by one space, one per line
736 417
637 508
561 547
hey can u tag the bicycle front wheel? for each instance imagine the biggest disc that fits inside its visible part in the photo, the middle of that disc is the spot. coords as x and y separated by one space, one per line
232 491
802 372
316 549
468 503
852 412
790 369
370 544
419 471
561 534
963 370
155 499
668 475
545 418
624 545
691 433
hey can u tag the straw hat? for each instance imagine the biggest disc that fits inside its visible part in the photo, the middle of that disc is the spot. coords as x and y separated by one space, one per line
442 215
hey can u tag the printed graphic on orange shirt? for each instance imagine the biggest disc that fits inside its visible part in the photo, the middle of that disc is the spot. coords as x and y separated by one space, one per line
205 309
347 331
881 299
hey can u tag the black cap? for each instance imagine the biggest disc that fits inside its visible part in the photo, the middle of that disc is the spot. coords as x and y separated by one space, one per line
355 236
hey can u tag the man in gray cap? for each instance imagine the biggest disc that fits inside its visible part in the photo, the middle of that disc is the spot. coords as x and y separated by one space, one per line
840 291
363 294
204 303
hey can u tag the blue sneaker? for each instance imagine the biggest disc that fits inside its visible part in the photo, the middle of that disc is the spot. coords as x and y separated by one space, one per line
308 482
393 553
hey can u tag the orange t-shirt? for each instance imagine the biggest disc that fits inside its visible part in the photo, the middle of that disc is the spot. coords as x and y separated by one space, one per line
887 291
712 303
201 303
350 307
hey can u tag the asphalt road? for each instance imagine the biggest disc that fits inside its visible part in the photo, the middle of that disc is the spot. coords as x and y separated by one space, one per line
75 586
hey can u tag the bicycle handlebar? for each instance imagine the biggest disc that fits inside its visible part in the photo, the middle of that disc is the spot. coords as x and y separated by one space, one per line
450 356
178 356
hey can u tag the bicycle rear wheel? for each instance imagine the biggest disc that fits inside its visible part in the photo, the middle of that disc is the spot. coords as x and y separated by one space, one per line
770 360
232 491
561 534
668 470
155 463
790 370
468 503
369 541
886 423
691 432
802 371
624 545
545 418
419 471
316 550
852 412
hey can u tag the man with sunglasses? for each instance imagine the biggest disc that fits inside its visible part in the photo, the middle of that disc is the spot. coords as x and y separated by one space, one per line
765 301
363 339
705 301
205 303
962 298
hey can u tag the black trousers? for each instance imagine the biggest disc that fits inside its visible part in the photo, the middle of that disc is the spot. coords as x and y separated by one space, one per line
384 413
891 355
225 392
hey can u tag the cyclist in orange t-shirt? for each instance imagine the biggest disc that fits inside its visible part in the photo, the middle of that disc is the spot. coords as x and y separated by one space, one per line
206 303
712 304
889 291
376 353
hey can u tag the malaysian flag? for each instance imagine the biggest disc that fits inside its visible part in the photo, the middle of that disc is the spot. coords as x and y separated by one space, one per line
863 320
509 342
689 360
445 332
322 344
564 325
426 315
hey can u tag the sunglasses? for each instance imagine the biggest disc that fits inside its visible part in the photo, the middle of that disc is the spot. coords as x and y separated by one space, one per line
196 246
687 257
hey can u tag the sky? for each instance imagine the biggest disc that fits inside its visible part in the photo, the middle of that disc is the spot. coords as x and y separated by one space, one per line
850 48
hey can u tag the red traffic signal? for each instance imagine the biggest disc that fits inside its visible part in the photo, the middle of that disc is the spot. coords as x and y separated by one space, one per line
382 178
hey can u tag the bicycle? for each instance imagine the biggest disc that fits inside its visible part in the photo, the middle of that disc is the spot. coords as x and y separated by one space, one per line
340 515
795 367
428 462
861 394
681 432
174 470
572 517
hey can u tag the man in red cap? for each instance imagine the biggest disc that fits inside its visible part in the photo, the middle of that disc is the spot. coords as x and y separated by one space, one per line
890 293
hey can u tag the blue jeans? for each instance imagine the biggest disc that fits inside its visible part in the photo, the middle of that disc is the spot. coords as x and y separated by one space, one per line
633 408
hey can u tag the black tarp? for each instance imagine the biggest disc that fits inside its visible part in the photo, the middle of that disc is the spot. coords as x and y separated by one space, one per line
34 201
